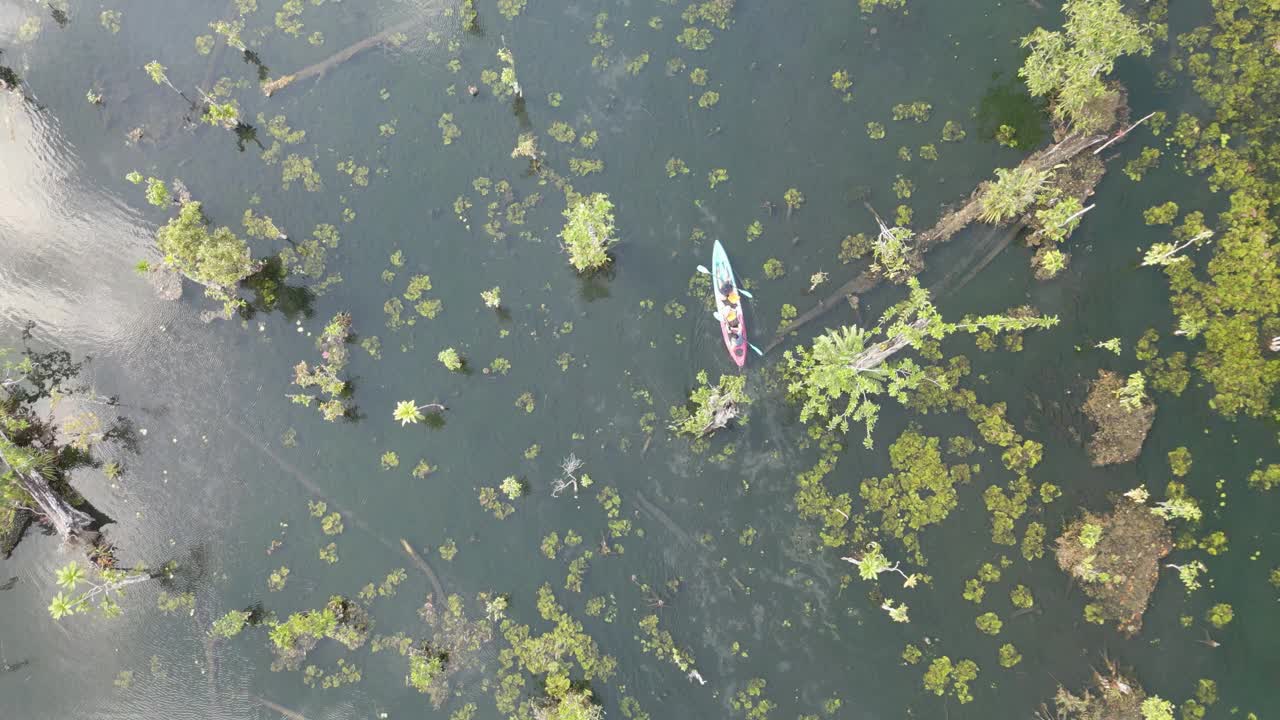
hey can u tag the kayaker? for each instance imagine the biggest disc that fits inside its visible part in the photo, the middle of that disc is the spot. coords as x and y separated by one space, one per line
733 321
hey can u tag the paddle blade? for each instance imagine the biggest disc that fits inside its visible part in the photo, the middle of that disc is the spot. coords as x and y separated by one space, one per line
703 269
757 350
746 294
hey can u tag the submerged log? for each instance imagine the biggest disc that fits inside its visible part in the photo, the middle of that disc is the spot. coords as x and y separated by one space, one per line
277 707
271 87
950 224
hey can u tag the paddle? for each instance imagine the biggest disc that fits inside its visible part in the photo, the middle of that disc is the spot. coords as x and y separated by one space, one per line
702 269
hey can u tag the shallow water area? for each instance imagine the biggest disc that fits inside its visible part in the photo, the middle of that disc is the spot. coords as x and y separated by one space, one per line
227 464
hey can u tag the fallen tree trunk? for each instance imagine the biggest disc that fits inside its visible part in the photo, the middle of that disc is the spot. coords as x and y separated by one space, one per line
950 224
874 356
320 68
70 524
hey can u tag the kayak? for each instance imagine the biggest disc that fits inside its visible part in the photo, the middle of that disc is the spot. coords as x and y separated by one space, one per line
722 272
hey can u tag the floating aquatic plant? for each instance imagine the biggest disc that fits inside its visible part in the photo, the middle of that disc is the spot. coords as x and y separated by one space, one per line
917 111
588 232
842 83
325 376
450 358
448 130
953 131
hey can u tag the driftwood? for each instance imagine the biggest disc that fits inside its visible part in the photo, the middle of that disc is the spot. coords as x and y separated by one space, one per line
950 224
320 68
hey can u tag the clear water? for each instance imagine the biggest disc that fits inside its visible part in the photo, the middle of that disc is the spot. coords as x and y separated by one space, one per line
214 484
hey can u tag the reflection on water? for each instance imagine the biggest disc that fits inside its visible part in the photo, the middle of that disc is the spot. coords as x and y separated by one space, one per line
69 247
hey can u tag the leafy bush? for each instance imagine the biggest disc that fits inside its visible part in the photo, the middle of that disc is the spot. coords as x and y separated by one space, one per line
589 231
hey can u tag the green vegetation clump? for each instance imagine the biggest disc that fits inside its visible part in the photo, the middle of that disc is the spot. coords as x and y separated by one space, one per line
838 379
921 492
511 8
854 247
1265 478
1230 298
942 672
230 625
1180 461
750 703
1021 597
1161 214
218 260
1136 168
917 111
340 620
1012 193
1167 374
989 623
562 131
1070 66
842 83
695 38
588 232
450 358
868 6
325 377
711 408
448 130
300 167
774 269
1009 655
1219 615
564 657
277 579
952 131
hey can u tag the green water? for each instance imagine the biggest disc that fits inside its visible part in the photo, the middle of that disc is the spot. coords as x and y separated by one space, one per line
214 483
